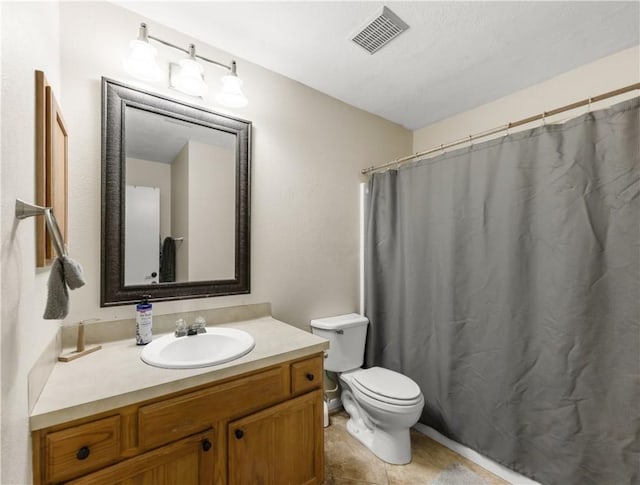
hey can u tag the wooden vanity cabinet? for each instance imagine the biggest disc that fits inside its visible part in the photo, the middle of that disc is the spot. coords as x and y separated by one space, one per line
260 427
279 445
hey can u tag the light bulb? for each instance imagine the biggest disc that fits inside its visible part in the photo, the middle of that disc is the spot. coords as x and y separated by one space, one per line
141 62
189 78
231 94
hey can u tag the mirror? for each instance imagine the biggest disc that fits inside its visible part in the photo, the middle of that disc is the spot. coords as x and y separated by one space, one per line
175 199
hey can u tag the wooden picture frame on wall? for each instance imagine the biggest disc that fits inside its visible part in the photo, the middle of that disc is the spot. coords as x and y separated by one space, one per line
51 167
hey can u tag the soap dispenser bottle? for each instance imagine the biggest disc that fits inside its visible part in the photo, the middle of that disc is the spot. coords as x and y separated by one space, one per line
144 317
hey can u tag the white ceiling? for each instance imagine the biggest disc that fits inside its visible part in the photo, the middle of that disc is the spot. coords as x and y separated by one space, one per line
455 55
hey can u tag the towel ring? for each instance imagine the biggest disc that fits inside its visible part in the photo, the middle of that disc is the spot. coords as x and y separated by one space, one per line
56 233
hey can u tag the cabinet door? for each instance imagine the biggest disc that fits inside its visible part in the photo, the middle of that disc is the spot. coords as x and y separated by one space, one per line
282 445
186 462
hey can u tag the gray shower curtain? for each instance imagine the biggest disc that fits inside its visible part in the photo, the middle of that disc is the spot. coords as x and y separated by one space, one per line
504 279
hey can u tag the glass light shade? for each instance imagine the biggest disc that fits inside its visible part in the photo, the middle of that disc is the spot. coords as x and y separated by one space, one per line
231 94
142 63
189 79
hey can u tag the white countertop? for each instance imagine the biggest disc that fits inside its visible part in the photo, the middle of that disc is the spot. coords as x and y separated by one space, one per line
115 376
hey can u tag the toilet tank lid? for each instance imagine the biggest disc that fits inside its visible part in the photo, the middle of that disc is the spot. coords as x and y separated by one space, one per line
339 322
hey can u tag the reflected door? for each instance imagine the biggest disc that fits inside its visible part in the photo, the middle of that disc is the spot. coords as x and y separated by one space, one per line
142 244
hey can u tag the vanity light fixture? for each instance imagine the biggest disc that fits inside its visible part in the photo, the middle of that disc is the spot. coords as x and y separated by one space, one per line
142 62
231 94
187 75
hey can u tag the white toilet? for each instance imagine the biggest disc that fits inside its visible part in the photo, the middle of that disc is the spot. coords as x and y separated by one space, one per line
382 404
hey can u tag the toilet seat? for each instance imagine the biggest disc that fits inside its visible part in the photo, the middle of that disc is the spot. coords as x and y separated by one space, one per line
386 386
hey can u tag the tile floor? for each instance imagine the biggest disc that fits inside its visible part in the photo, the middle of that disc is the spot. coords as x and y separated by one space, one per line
348 462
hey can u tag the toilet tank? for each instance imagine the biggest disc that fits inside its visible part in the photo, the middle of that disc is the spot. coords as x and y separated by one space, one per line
346 335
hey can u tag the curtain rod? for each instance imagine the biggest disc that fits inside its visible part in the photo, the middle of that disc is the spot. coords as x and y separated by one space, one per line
498 129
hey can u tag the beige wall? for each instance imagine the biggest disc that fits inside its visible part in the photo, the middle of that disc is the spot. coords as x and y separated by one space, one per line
30 40
598 77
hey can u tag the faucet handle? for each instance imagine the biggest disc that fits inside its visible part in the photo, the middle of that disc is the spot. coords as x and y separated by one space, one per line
181 328
199 325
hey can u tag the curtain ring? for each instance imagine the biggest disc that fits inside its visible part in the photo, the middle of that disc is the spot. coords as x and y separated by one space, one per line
507 130
589 110
544 120
470 141
442 148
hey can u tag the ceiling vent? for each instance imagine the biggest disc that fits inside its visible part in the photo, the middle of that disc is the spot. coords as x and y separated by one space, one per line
379 31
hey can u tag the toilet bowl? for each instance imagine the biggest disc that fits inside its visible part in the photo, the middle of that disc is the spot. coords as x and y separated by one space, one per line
380 418
382 404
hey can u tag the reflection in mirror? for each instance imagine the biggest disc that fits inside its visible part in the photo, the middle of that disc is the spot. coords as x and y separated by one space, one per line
175 199
178 175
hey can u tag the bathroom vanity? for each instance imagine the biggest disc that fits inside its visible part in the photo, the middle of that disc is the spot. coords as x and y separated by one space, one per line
109 418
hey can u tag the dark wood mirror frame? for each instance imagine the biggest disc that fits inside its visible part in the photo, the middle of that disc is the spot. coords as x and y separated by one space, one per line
116 97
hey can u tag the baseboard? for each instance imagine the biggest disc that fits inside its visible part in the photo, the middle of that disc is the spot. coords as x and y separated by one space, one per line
486 463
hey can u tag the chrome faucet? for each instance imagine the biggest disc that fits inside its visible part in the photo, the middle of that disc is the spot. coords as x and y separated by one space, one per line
182 329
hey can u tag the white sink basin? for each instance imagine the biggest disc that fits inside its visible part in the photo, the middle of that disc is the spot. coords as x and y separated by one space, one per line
216 346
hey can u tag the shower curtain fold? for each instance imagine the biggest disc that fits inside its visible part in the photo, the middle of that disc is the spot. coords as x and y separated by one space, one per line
504 278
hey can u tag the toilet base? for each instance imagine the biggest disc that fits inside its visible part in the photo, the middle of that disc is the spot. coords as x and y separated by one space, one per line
394 447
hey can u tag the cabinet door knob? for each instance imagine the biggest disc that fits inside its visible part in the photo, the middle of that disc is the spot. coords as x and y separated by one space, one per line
310 376
239 434
83 453
206 444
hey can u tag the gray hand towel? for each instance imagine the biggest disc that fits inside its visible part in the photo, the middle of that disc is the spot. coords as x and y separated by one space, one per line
168 261
64 272
58 296
73 274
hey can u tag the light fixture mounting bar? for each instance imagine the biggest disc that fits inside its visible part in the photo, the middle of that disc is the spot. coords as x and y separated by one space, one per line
187 51
206 59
